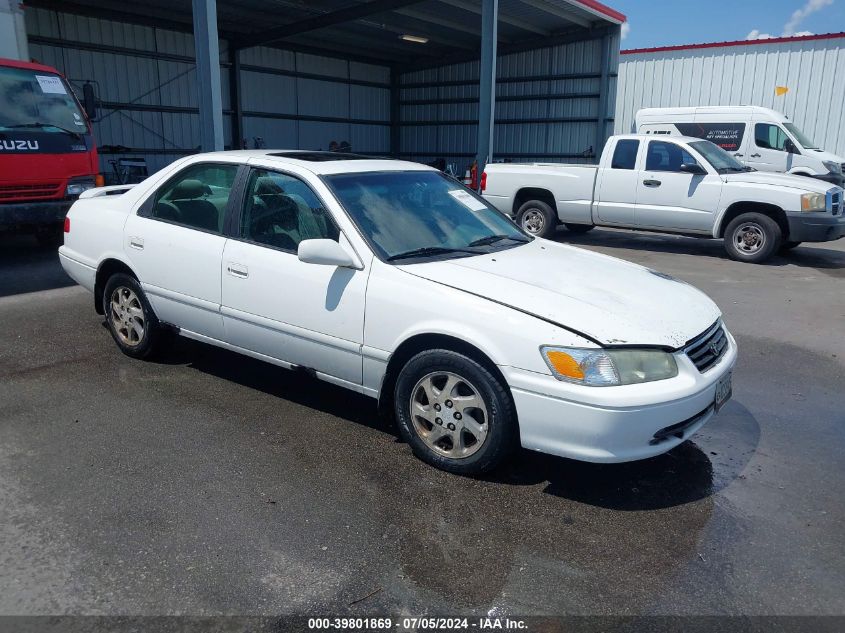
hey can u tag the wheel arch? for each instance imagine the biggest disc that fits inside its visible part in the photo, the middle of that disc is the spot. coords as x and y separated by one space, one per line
107 268
738 208
524 194
421 342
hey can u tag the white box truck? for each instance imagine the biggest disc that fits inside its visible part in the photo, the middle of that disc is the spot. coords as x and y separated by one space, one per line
758 137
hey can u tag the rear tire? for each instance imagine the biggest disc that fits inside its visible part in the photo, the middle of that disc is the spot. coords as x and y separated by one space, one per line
579 228
454 413
752 238
537 218
131 321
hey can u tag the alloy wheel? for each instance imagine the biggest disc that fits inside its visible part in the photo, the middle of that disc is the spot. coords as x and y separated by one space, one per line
127 316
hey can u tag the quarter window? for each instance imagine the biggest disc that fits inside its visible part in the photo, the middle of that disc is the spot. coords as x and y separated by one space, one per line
197 197
625 154
281 211
664 156
769 136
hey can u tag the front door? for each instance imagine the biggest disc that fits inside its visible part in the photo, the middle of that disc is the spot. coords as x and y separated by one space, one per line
175 243
668 198
768 150
273 304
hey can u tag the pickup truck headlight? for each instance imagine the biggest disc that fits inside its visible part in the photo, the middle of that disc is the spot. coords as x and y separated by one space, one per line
607 368
832 167
78 185
813 202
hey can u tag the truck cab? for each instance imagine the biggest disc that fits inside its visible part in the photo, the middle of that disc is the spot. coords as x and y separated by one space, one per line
47 151
758 137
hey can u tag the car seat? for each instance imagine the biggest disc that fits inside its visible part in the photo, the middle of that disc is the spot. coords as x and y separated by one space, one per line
187 197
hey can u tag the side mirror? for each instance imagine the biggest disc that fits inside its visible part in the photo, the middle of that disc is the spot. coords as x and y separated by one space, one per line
89 100
789 146
325 252
693 168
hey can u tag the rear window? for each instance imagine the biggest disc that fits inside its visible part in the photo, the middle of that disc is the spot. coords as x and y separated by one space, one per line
625 154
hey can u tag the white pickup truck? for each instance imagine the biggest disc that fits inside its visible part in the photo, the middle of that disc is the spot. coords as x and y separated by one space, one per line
672 184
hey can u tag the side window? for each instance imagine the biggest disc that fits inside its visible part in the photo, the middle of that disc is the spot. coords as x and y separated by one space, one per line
197 197
281 211
625 154
770 136
662 156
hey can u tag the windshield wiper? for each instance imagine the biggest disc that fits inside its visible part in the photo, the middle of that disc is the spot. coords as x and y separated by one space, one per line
491 239
38 124
430 250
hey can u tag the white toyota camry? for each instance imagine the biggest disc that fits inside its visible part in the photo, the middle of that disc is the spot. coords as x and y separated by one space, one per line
388 278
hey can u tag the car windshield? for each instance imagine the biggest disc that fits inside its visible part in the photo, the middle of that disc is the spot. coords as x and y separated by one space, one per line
721 161
802 138
38 100
409 215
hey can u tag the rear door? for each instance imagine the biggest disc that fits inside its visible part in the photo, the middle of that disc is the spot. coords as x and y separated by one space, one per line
616 189
273 304
668 198
175 243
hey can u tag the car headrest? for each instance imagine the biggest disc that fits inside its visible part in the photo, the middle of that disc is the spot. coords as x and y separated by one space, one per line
265 185
190 189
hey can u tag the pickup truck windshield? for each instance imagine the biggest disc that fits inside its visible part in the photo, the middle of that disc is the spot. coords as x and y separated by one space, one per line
721 161
802 138
408 215
38 100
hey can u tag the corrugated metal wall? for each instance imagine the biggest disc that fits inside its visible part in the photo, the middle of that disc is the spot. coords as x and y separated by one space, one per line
547 103
743 75
146 78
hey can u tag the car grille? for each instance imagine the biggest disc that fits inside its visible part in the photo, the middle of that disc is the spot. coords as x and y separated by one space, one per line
836 202
27 192
706 349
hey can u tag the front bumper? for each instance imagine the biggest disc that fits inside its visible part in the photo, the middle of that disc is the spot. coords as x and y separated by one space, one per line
615 424
815 227
34 213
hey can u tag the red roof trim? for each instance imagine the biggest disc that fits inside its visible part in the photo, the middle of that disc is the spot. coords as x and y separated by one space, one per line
771 40
613 14
14 63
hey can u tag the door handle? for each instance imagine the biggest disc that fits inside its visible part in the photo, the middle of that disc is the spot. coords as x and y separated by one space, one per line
237 270
755 155
739 155
136 242
651 183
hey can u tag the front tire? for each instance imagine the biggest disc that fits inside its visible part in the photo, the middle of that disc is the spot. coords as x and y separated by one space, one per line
131 321
537 218
454 413
752 238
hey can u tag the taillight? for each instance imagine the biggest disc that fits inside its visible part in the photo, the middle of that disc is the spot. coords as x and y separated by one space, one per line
483 180
67 224
99 180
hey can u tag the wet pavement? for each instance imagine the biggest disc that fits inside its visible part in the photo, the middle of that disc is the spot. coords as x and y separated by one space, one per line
212 483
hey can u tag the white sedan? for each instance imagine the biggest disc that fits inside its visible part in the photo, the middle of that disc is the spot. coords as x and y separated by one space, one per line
390 279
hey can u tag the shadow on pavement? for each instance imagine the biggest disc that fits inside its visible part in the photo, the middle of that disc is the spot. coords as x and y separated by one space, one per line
25 266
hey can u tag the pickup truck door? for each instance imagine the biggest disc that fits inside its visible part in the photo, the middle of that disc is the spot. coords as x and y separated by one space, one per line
668 198
175 244
616 185
305 314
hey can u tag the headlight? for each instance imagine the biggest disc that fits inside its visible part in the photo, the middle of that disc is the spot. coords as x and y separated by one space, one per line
832 167
76 187
609 367
813 202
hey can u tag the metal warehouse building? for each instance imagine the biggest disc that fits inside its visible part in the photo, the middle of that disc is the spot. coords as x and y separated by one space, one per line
743 73
409 78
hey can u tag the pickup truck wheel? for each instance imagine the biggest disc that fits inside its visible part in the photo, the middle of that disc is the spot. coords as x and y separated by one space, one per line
579 228
752 238
454 413
537 218
130 319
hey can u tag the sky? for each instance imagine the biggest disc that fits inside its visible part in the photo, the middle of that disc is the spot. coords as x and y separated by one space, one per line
670 22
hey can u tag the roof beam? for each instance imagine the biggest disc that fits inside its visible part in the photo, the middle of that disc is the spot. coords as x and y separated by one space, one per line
349 14
506 19
449 24
558 12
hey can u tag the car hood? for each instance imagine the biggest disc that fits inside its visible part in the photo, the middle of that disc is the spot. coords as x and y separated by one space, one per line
821 154
769 178
609 300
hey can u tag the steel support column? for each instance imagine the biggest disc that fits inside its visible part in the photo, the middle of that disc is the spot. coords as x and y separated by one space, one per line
207 53
395 113
487 88
604 88
235 99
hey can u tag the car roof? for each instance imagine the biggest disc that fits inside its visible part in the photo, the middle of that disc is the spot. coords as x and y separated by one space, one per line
660 137
317 162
